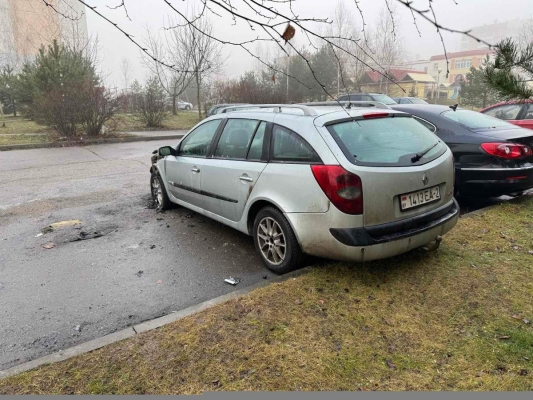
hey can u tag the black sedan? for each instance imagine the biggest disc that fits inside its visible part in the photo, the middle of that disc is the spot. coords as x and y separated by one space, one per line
492 157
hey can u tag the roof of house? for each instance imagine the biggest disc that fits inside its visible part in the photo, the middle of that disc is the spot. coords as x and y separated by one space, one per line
418 77
397 74
479 52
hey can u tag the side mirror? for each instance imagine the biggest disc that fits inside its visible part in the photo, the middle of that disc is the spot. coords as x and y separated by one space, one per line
166 151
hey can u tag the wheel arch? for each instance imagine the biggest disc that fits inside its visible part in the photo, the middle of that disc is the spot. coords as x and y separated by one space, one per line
257 206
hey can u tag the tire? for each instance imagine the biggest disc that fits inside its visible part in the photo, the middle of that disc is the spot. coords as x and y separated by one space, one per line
292 257
188 108
159 193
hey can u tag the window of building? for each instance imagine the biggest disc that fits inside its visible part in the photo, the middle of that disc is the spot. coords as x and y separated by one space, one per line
435 66
461 64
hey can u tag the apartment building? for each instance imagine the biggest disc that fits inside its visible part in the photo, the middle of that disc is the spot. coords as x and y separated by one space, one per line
26 25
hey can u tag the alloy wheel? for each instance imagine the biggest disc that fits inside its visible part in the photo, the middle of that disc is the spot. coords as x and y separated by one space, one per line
271 241
157 191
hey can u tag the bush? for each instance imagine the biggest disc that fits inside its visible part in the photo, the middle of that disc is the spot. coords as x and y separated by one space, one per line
99 107
152 105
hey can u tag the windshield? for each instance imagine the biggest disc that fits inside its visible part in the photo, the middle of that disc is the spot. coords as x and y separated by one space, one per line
382 98
414 100
475 120
392 141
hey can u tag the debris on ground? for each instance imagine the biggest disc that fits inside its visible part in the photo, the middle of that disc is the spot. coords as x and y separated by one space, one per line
189 215
86 236
139 273
265 277
60 224
49 246
78 328
159 282
232 281
39 234
152 246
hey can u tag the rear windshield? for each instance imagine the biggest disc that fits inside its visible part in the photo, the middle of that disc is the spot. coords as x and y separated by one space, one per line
391 141
383 98
475 120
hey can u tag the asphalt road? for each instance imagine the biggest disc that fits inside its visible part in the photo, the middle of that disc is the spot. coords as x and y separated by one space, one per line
133 264
143 266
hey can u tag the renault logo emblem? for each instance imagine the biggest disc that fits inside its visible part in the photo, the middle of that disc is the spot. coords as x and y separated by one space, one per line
425 179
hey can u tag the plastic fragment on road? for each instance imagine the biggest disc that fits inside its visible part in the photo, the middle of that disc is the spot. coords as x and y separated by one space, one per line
232 281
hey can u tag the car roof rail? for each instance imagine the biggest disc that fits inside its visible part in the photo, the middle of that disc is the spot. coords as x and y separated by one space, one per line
308 111
348 104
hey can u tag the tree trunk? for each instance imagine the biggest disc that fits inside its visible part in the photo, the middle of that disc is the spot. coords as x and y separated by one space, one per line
198 97
174 112
14 109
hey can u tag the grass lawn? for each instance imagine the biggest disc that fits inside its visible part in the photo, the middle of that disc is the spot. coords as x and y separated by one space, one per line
20 125
457 319
22 139
184 120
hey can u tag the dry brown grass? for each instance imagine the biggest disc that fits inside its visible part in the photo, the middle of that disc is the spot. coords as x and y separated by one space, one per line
452 320
184 120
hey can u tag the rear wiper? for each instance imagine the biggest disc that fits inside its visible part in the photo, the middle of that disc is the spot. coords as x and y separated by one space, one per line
418 156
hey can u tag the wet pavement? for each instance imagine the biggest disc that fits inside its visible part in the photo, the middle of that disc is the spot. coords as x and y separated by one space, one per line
116 262
122 264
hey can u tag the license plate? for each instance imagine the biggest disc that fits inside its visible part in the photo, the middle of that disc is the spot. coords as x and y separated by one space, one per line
416 199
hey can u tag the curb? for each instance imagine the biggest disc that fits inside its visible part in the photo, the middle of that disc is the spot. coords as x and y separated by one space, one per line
142 327
27 146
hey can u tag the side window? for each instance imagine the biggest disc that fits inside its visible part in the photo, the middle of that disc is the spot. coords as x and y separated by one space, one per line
197 143
431 127
288 146
344 98
236 138
366 98
529 112
506 112
256 148
356 97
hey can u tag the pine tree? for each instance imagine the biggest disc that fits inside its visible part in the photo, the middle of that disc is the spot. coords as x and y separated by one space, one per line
511 72
475 91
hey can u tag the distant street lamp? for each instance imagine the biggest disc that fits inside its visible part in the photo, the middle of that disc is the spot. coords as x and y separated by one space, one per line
438 85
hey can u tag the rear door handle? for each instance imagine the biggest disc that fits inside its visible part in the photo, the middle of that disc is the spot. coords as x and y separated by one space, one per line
195 169
246 178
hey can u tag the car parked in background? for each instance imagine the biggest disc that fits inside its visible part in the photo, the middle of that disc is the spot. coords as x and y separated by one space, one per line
409 100
354 185
382 98
217 107
492 157
517 113
184 105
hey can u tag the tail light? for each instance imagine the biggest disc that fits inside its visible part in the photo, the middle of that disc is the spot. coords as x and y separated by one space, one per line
343 188
507 150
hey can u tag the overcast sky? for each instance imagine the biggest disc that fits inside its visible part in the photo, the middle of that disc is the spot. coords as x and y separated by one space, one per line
154 14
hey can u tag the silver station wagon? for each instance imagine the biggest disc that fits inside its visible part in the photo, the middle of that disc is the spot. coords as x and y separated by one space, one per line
352 184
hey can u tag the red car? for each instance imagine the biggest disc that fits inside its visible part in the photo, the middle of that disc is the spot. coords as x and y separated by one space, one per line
517 113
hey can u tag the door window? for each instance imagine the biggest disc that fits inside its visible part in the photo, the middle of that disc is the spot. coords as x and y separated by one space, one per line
506 112
236 138
290 147
256 148
529 112
197 143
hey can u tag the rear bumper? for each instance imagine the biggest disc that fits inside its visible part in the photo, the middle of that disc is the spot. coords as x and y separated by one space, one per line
493 182
370 243
377 234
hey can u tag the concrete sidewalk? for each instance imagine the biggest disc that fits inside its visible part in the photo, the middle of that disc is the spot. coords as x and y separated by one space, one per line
126 137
